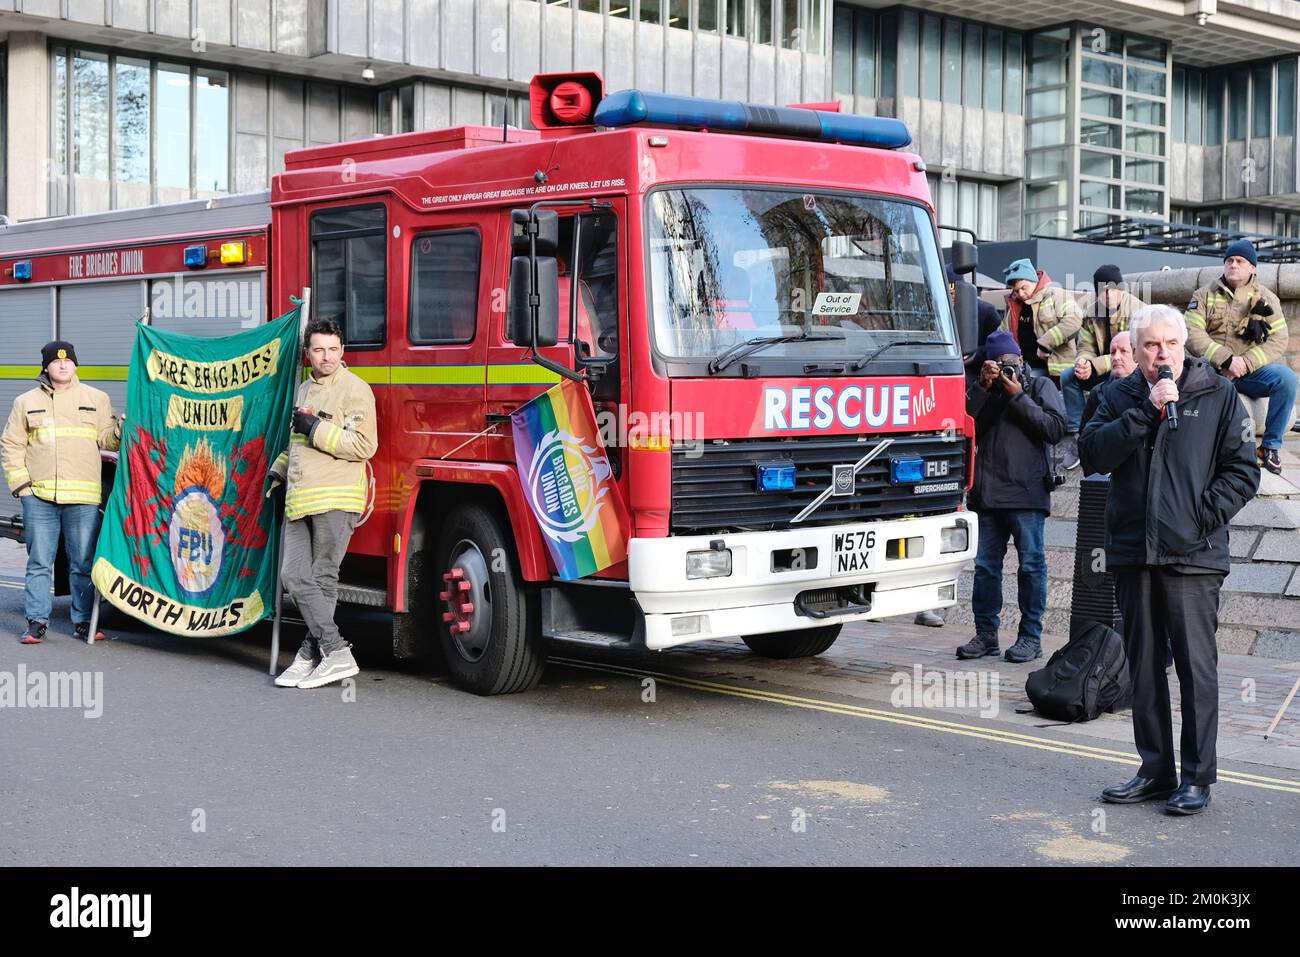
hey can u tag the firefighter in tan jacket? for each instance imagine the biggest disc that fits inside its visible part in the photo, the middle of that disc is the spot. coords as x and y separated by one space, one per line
1106 313
1238 326
325 467
52 464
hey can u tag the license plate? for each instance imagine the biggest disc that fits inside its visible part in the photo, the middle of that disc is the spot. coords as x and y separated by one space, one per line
853 551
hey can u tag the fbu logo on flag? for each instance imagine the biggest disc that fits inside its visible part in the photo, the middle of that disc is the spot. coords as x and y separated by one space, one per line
196 539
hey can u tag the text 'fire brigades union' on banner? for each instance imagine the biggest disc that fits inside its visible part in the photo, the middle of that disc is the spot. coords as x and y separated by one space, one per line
189 543
568 482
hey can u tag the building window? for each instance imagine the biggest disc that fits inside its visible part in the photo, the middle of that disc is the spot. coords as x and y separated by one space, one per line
706 16
1286 98
679 14
853 64
349 271
1214 109
735 18
1238 80
966 204
396 110
129 131
993 70
763 20
1261 108
650 11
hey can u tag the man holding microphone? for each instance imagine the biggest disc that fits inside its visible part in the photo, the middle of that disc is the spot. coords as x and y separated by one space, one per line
1175 440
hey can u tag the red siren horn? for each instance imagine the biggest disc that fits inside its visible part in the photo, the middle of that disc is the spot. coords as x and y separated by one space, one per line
564 99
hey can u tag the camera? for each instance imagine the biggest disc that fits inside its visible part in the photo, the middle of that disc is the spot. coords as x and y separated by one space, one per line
1010 370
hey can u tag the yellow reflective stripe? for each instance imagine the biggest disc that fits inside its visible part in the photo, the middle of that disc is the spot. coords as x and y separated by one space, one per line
47 432
297 438
64 483
1194 318
1105 364
296 495
1258 353
281 459
439 375
18 473
332 437
1277 325
1211 348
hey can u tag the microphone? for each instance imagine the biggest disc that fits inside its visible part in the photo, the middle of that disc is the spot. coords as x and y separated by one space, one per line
1171 408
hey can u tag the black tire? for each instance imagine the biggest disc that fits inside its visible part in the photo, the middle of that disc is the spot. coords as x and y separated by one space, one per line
793 644
502 653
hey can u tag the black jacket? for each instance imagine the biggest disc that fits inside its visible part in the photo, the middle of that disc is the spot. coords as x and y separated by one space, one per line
1172 493
1011 465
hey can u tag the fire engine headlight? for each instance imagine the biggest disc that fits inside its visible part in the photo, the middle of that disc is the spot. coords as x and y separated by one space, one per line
709 563
955 538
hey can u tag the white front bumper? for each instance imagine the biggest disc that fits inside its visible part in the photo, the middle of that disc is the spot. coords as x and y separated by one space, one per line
754 599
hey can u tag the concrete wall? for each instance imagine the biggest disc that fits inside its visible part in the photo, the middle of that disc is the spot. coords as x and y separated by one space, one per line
28 118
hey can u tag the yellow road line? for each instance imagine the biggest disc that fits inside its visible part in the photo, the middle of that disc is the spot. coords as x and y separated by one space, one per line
922 722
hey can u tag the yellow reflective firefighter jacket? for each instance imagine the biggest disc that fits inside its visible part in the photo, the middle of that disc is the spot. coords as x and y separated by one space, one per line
1218 315
327 470
52 441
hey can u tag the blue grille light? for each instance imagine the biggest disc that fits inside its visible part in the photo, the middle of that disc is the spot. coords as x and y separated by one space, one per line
666 109
775 478
23 270
907 470
196 257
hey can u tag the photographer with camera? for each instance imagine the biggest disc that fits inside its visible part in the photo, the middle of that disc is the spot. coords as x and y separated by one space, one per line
1016 417
1237 326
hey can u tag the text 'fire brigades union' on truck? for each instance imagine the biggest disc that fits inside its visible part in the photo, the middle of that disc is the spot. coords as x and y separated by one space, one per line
754 297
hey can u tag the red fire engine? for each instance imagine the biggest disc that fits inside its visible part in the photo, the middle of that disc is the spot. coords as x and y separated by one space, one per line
753 295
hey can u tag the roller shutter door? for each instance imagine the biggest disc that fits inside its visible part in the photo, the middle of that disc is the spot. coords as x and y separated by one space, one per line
99 319
26 324
208 306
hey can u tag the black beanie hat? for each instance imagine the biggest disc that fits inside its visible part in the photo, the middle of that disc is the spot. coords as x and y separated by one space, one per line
1107 275
58 349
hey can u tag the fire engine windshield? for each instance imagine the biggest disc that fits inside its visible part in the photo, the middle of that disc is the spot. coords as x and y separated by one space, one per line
822 276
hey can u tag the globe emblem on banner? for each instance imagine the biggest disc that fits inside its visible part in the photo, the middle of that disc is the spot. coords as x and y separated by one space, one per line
567 481
195 536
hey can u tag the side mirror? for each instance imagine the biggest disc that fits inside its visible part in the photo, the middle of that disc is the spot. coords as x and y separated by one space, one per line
966 313
965 258
519 322
546 222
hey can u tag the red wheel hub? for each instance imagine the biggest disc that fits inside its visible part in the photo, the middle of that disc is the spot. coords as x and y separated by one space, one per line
459 613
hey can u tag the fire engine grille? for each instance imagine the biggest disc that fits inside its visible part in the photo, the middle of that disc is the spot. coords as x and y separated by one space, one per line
714 485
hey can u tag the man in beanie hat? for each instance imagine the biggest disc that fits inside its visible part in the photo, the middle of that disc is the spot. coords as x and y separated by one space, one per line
52 464
1238 327
1016 416
1106 312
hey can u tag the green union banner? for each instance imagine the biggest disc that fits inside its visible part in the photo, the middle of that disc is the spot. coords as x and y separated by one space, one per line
189 543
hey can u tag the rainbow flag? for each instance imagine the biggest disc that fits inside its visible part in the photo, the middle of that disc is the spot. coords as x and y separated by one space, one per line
568 482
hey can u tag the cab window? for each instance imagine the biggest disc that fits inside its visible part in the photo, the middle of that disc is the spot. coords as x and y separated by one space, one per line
444 287
350 271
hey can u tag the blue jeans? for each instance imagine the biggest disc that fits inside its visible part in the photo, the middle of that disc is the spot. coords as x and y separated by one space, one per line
1072 391
42 522
1026 527
1278 383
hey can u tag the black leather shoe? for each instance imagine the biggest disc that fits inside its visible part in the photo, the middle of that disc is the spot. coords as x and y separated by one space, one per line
1189 799
1137 790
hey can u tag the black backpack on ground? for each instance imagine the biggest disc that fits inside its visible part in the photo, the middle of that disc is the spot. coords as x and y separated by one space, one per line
1083 679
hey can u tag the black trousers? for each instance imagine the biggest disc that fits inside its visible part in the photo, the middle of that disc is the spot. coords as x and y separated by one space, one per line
1163 606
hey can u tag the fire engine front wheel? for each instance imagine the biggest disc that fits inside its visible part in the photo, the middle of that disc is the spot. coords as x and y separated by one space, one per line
487 624
793 644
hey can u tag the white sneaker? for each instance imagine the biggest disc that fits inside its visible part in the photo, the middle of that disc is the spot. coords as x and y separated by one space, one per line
333 667
293 675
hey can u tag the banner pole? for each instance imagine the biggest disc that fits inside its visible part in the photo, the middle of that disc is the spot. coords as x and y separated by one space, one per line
304 308
94 619
1281 711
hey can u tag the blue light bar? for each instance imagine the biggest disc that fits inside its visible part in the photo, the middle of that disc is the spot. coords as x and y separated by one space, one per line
775 478
23 270
666 109
907 470
196 256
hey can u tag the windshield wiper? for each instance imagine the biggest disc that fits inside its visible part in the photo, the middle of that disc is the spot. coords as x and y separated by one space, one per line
750 346
889 345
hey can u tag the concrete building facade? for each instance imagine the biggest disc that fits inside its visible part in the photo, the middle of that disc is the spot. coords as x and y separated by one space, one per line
1035 119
